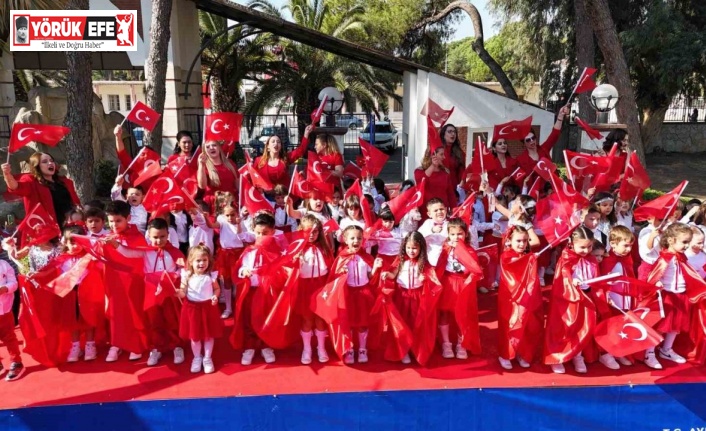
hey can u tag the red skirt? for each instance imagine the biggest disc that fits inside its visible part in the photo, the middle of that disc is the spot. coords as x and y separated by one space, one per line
452 284
677 313
359 304
200 321
306 295
387 262
407 303
643 271
226 258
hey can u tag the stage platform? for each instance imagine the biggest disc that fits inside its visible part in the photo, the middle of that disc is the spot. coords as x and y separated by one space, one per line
475 394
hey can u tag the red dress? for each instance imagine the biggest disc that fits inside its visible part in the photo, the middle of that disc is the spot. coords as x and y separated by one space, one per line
527 163
200 320
455 168
228 182
501 172
438 185
279 174
330 162
34 192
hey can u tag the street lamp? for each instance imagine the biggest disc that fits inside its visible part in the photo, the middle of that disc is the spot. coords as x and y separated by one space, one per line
333 104
603 99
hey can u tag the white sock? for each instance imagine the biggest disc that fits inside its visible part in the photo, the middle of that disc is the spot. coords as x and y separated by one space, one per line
208 348
669 338
460 340
321 338
306 339
444 329
75 343
362 339
541 272
196 348
228 294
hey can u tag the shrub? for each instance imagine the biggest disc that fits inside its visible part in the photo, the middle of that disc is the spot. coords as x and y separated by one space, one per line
104 174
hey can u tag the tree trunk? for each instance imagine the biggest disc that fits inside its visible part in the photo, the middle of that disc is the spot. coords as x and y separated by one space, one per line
652 121
478 43
617 70
79 142
585 55
156 67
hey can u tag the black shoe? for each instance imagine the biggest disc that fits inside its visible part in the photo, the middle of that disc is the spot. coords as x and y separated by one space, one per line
16 371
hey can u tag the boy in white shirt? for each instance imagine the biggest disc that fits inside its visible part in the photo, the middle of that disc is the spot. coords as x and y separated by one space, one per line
134 196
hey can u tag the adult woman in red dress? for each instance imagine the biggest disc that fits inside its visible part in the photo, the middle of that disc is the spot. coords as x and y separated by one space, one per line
533 153
506 164
215 172
44 185
184 148
438 184
327 150
273 164
454 161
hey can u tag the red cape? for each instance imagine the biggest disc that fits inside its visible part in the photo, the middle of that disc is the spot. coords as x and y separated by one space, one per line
695 285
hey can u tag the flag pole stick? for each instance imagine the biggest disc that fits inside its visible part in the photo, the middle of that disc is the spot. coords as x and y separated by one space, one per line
291 181
568 169
135 159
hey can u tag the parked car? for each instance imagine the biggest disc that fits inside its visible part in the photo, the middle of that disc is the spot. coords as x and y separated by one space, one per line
258 143
386 136
348 120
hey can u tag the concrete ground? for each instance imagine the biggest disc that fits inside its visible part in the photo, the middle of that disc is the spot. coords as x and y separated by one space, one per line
667 170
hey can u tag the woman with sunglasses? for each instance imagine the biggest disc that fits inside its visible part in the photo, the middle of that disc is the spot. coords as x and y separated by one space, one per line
533 152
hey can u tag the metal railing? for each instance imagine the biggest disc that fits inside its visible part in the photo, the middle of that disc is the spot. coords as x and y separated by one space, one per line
682 110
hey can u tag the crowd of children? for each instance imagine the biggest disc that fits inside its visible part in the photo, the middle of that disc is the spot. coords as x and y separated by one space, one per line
154 283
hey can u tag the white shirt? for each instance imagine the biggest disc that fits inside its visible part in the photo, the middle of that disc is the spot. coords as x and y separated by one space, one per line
200 233
100 234
313 264
409 279
672 279
625 220
475 228
499 226
624 302
280 238
199 288
435 241
697 261
336 211
282 219
138 217
152 261
251 260
584 271
648 255
181 229
452 264
229 236
388 243
9 280
357 272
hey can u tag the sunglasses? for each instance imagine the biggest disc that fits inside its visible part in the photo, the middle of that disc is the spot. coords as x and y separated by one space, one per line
532 139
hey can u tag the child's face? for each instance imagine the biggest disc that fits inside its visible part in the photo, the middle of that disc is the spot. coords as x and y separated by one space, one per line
279 200
582 247
605 207
437 212
314 231
697 243
353 212
118 223
519 241
94 224
354 239
456 235
598 253
76 217
677 215
622 206
336 198
621 248
680 243
72 247
158 237
200 263
388 224
316 204
509 195
591 220
230 214
262 231
134 197
412 249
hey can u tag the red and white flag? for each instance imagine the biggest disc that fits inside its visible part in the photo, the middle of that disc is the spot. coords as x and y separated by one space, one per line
435 113
513 130
38 227
352 171
223 126
141 164
23 134
252 199
625 334
635 180
433 137
410 199
144 116
257 179
316 115
465 210
331 226
580 165
374 159
590 131
662 207
585 82
315 168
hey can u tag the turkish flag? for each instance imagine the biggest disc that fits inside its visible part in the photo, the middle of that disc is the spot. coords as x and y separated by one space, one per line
364 205
298 242
352 171
518 175
661 207
516 129
252 199
465 210
23 134
165 194
316 115
257 179
544 168
635 180
141 163
436 113
223 126
331 226
556 218
585 82
315 169
159 287
65 282
374 159
38 227
410 199
625 334
468 258
566 194
579 165
590 131
483 160
150 170
300 187
278 326
534 190
433 137
488 260
330 305
144 116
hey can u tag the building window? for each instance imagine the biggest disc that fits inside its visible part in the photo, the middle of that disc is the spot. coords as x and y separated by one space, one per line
113 102
396 106
128 102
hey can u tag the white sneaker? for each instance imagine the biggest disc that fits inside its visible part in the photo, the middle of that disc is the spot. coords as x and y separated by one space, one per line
406 360
461 353
579 365
248 355
91 352
483 289
523 363
542 283
74 353
196 364
323 355
178 355
505 363
651 361
447 351
609 361
362 356
349 358
624 361
113 354
306 356
671 355
268 355
558 368
155 356
494 286
208 366
226 314
135 356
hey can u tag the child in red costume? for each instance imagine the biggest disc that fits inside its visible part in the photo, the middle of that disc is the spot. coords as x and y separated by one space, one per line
8 286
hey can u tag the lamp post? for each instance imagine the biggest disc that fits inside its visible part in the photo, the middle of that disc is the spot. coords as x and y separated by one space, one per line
333 105
603 99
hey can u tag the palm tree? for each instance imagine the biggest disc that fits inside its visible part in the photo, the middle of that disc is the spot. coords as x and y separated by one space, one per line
305 70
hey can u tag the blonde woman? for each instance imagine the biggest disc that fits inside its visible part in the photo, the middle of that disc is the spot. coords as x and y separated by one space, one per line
216 173
274 162
327 150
